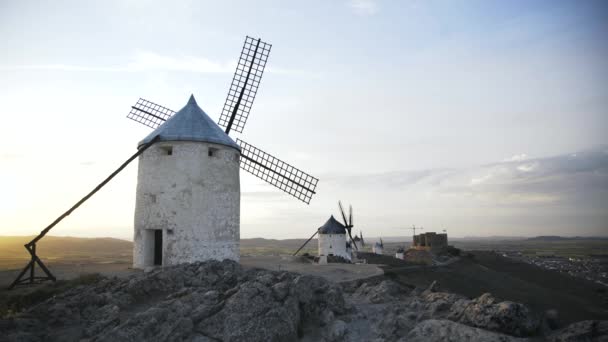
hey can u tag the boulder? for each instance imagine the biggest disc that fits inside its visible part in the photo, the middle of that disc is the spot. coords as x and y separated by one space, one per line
201 302
336 331
487 313
447 331
385 291
591 331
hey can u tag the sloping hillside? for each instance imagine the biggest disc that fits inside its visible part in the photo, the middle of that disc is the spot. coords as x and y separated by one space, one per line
11 247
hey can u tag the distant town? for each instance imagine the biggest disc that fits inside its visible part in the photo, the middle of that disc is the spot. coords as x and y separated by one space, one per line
594 268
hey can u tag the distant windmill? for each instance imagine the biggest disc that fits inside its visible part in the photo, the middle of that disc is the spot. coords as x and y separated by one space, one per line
333 227
378 247
359 239
348 224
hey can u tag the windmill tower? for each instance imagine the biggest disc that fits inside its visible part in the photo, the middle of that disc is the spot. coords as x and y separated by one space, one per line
332 237
378 247
400 254
188 192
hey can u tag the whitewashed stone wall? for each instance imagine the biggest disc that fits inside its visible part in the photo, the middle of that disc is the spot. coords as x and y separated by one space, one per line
377 249
333 244
193 197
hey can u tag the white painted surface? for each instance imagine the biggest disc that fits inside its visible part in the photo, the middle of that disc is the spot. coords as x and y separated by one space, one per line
377 249
193 197
333 244
399 256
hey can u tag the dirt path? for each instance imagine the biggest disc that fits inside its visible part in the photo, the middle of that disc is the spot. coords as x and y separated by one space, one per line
122 268
332 272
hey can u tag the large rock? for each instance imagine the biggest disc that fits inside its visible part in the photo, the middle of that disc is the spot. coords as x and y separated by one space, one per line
385 291
591 331
447 331
487 313
201 301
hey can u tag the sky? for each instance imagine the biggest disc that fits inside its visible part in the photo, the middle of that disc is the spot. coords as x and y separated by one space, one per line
483 118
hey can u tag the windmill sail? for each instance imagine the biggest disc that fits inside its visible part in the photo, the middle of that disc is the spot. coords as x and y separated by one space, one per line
245 84
149 113
276 172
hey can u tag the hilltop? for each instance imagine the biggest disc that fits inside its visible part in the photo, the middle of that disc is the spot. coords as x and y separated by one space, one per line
222 301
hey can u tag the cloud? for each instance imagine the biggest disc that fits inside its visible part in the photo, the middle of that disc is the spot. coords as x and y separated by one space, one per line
363 7
564 194
517 157
527 167
146 60
142 61
565 178
10 156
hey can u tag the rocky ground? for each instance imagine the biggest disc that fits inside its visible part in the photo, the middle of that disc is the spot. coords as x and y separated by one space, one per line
221 301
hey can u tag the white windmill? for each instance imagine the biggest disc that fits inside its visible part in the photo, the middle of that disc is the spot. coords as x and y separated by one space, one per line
333 237
188 192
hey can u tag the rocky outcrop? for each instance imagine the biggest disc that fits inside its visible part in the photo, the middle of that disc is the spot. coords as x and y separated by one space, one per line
203 301
488 313
221 301
591 331
485 312
447 331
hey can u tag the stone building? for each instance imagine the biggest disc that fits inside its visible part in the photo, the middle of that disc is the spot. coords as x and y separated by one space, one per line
358 241
188 193
378 248
430 241
332 240
400 254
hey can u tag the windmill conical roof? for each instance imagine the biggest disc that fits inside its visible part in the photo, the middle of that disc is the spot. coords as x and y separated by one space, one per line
332 226
191 123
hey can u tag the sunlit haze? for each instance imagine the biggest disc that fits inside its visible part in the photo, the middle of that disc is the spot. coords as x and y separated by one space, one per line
479 117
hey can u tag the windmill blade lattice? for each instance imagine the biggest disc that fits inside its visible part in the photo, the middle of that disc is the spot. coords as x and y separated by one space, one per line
348 225
149 113
245 84
343 214
276 172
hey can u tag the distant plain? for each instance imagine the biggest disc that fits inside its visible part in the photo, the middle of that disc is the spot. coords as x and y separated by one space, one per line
479 270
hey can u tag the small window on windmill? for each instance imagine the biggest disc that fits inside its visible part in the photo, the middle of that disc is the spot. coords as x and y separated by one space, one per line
167 150
212 151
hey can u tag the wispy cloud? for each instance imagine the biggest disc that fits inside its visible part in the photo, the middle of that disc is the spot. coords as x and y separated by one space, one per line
146 60
142 61
9 156
517 157
363 7
563 194
566 177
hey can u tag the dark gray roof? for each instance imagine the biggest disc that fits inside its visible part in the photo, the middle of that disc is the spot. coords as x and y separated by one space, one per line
332 227
191 123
